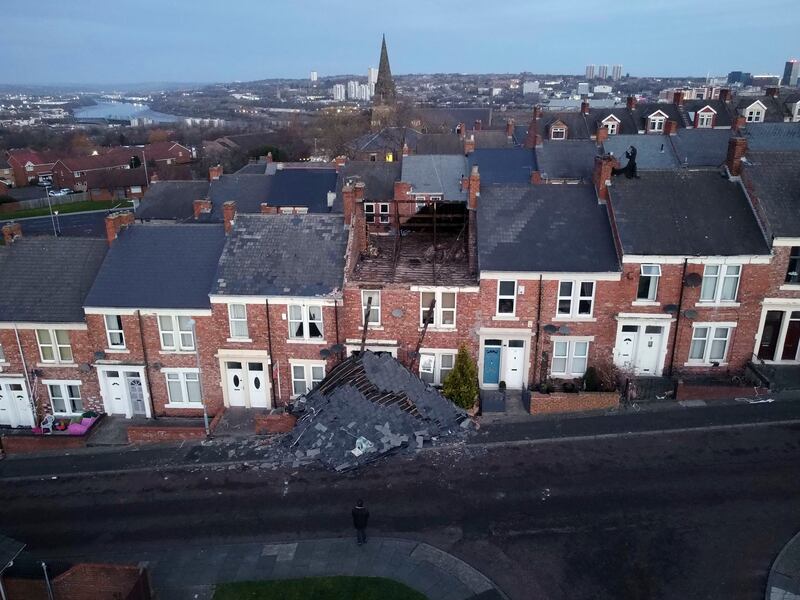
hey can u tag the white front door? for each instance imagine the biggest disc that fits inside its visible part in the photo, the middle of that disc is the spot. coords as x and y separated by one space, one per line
626 347
235 382
15 408
514 364
257 380
117 394
135 392
649 350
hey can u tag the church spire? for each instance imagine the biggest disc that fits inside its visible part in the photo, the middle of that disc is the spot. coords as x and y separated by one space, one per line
384 86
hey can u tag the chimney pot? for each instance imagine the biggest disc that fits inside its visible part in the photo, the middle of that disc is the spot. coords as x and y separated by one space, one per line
477 126
11 231
677 98
269 157
469 144
739 123
201 206
474 188
266 209
214 172
724 94
510 128
228 215
348 202
115 222
671 128
772 92
585 107
630 103
536 177
602 134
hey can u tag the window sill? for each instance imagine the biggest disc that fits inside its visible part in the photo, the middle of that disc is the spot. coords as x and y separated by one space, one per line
185 352
5 364
45 365
117 351
724 304
193 405
790 287
439 329
372 328
645 303
508 318
312 342
705 364
240 340
575 319
566 375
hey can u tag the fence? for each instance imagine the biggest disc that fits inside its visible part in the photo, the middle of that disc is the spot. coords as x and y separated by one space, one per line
8 207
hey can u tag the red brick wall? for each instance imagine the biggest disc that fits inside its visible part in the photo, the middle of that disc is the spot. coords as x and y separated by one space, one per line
85 582
562 402
31 444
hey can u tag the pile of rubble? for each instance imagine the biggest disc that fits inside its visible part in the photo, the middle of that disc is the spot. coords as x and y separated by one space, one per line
368 406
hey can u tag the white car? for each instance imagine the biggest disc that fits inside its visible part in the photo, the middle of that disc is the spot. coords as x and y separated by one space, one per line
61 192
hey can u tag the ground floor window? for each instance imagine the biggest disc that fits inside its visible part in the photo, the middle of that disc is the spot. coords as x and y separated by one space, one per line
780 336
709 344
434 367
65 398
183 387
569 358
305 377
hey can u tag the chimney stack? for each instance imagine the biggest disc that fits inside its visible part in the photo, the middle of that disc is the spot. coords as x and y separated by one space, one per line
469 144
510 128
585 107
11 231
214 172
630 103
602 134
228 215
477 126
461 129
406 151
360 187
115 222
724 94
739 123
737 148
200 207
671 128
677 98
348 202
269 157
266 209
536 177
474 188
533 139
771 91
603 169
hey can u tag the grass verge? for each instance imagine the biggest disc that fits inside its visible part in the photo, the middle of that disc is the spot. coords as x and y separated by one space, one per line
318 588
64 209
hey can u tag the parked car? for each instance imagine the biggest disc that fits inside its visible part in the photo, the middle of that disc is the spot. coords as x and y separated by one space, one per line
61 192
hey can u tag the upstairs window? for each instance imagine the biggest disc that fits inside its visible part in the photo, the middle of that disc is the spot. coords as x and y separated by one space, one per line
612 127
793 272
575 299
558 133
648 282
754 115
54 345
720 283
444 312
656 124
114 333
374 319
705 120
383 212
506 298
2 354
369 212
305 322
177 333
237 319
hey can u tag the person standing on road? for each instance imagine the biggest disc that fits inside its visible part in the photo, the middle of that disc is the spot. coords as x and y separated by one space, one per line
360 518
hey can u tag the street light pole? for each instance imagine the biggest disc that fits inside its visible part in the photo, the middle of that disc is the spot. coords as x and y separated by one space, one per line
50 206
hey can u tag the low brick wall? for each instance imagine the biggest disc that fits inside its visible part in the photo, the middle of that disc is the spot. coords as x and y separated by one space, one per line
562 402
275 422
31 444
148 434
86 582
717 392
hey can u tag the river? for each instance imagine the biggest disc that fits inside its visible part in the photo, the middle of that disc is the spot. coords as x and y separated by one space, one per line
122 111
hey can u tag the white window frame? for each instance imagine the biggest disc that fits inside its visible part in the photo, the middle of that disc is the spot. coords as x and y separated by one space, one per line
113 329
383 215
234 321
438 310
308 379
67 397
719 278
430 361
570 357
656 124
179 336
712 334
705 120
419 199
754 115
55 346
575 299
512 297
369 212
653 272
306 321
182 376
374 309
611 125
2 354
558 133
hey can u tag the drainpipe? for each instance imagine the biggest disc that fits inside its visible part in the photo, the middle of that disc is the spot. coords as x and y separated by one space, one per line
269 348
47 582
146 366
537 364
336 318
25 371
678 318
200 377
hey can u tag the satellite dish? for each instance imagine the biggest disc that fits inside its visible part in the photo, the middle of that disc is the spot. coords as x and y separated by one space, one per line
398 313
690 314
84 368
693 280
413 354
563 330
338 348
671 308
550 328
325 353
100 355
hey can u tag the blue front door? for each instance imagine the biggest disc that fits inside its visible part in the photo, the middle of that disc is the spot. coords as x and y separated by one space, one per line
491 365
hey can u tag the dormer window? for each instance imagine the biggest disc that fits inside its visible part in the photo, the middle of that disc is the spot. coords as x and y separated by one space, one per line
612 124
705 120
755 112
558 132
655 122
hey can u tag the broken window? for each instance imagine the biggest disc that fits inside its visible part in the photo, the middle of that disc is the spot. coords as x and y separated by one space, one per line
648 282
793 272
305 322
374 319
369 212
444 312
434 367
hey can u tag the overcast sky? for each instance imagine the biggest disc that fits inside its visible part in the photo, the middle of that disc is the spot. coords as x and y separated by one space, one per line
109 41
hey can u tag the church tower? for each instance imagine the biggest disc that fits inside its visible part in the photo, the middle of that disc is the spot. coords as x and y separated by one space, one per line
383 102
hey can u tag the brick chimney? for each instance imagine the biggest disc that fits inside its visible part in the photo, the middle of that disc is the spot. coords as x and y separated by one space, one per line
585 107
228 215
602 135
630 103
469 144
200 207
360 188
402 191
340 161
478 125
474 188
114 224
510 128
153 177
348 202
739 123
214 172
266 209
737 147
461 129
724 95
269 157
671 128
601 177
406 151
771 91
11 231
677 98
534 139
536 177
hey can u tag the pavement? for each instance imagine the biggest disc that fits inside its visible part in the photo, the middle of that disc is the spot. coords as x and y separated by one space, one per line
784 577
190 571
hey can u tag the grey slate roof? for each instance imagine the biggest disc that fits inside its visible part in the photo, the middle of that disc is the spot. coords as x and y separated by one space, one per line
283 255
444 119
724 116
504 165
378 177
170 200
685 213
544 228
253 168
440 143
567 159
775 177
652 151
775 113
159 266
302 187
701 147
46 279
248 191
772 136
436 174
